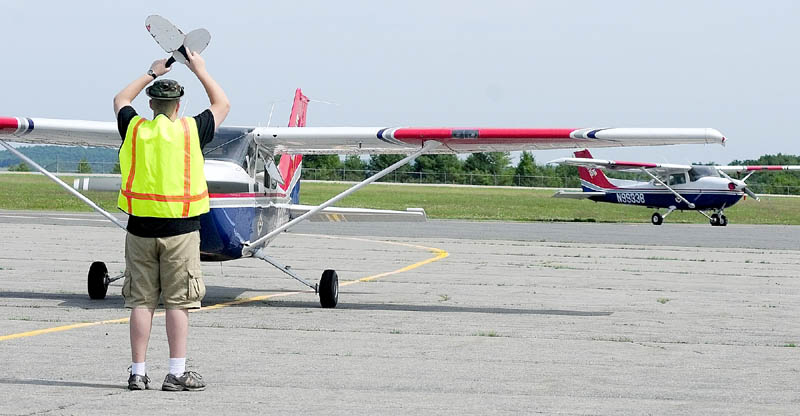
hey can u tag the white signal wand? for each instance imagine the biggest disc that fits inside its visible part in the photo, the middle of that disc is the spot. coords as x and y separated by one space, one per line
80 196
256 244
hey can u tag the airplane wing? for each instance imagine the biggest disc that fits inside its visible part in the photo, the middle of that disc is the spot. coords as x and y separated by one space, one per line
403 140
64 132
577 194
369 140
335 214
621 166
752 168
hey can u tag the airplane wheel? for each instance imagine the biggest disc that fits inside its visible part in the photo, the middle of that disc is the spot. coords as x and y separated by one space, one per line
723 220
715 221
97 280
657 219
329 289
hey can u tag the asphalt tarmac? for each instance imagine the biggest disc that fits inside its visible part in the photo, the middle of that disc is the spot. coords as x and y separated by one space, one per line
451 318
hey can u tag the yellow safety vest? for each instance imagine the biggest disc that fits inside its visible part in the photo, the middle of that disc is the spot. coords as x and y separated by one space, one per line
162 169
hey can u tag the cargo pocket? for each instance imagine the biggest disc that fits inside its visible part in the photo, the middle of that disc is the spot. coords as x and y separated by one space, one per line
126 286
197 289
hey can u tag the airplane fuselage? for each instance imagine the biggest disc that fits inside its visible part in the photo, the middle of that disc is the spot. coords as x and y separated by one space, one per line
241 211
705 193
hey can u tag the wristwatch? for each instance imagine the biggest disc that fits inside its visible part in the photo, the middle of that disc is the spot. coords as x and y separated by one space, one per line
152 74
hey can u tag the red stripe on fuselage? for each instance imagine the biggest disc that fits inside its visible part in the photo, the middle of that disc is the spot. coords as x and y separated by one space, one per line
245 195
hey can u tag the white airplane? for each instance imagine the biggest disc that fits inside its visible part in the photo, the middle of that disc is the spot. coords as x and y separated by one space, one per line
253 199
673 187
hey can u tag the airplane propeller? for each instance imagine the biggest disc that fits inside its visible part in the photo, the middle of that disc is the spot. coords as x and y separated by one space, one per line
741 185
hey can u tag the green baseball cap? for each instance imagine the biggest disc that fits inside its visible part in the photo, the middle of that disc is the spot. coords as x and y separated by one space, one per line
165 89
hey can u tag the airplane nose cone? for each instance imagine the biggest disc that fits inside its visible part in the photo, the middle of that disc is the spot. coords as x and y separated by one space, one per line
737 185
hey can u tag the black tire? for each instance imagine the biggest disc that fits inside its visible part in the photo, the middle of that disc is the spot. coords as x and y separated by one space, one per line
656 219
97 280
714 220
329 289
723 220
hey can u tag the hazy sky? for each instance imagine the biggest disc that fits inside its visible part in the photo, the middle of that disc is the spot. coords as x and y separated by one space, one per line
722 64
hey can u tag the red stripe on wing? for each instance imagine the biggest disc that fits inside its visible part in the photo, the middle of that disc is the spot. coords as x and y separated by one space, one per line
9 123
634 164
482 133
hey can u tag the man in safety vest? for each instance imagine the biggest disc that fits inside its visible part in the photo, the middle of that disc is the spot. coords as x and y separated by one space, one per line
164 191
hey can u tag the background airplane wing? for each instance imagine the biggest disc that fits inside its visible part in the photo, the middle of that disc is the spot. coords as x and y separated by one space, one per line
336 214
622 166
752 168
369 140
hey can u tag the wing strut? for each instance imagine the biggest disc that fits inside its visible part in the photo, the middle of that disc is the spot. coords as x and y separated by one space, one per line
252 247
679 196
86 200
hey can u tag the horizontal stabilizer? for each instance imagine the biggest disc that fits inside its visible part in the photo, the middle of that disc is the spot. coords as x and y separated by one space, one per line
577 194
335 214
109 183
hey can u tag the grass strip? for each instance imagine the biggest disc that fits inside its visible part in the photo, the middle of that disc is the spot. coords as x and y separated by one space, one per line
35 192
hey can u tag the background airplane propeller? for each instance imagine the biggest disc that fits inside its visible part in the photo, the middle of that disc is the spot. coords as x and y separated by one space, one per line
741 185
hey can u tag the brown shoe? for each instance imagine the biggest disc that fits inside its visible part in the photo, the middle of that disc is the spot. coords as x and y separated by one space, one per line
189 380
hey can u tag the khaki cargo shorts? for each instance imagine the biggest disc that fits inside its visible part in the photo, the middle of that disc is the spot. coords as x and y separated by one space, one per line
168 267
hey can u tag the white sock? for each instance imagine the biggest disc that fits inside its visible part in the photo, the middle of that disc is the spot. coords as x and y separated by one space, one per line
138 368
177 366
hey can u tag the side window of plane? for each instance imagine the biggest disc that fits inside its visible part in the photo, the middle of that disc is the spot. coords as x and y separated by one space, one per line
677 179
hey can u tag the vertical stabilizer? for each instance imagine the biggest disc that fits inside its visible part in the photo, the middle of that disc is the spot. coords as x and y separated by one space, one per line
592 179
289 165
299 107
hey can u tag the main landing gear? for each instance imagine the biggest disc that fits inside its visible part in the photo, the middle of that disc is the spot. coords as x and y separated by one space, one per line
658 219
99 280
718 220
327 288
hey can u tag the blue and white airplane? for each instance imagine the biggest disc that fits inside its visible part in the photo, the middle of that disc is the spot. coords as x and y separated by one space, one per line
698 188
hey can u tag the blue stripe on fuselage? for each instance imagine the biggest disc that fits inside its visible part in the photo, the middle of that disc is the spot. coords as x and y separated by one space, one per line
702 200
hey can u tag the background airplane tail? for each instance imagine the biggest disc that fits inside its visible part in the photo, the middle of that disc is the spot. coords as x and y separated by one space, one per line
289 165
592 179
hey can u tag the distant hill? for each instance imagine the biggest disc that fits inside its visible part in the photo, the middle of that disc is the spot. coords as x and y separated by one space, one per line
64 158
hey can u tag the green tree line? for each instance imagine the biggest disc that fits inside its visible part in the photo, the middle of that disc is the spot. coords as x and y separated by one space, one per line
494 168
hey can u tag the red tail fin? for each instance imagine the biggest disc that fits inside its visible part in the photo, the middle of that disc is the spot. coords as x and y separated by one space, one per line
299 107
289 165
594 176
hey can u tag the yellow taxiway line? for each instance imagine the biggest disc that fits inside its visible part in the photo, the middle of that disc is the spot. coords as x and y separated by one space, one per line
439 254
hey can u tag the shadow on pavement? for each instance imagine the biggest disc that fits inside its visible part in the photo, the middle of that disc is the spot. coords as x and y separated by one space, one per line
61 383
433 308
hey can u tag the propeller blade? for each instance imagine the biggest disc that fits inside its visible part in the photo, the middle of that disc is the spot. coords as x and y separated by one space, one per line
751 193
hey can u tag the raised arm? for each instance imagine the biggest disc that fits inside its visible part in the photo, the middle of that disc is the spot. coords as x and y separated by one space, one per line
126 96
219 101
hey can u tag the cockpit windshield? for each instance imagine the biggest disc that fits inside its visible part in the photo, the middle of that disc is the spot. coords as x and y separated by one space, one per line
229 144
698 171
